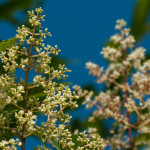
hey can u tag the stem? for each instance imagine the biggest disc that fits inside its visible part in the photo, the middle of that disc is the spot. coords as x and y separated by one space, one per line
23 144
26 99
26 91
126 96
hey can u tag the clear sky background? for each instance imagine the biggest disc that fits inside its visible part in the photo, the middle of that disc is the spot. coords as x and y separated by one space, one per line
80 28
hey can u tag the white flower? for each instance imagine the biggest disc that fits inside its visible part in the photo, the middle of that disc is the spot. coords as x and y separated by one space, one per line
90 65
120 23
20 89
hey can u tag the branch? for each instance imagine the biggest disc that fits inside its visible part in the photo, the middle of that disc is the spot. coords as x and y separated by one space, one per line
34 56
18 106
13 130
22 68
38 128
20 52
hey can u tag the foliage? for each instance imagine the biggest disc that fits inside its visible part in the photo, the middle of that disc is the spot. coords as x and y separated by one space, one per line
140 22
8 43
10 7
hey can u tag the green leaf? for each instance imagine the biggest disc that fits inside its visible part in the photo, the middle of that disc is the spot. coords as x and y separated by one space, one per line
77 143
115 125
10 7
41 135
43 138
39 95
55 144
142 137
140 26
8 43
56 61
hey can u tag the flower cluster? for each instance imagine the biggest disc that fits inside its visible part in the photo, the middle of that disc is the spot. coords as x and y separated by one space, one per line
11 144
27 118
31 53
96 142
128 88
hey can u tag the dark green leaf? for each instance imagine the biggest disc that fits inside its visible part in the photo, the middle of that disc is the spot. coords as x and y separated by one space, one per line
140 26
142 137
77 143
38 95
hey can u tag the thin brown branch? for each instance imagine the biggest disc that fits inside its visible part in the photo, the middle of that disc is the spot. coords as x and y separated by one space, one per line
39 128
33 67
20 52
22 68
36 85
33 86
126 97
13 130
34 56
34 33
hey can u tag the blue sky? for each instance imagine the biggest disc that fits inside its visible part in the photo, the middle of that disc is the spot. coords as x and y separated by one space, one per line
80 28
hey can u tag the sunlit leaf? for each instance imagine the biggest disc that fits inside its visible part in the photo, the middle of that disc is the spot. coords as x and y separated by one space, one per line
41 135
8 43
55 144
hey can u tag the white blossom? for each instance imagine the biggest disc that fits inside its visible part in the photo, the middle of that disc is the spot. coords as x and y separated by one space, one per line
127 79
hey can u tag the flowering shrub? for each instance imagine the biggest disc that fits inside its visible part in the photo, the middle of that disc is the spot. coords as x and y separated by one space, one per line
30 53
128 88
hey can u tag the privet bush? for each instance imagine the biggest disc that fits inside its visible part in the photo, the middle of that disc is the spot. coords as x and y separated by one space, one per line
31 54
127 98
